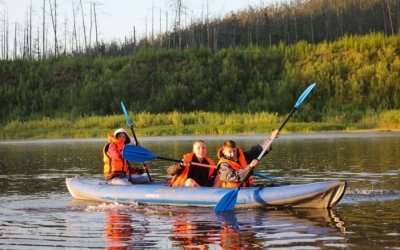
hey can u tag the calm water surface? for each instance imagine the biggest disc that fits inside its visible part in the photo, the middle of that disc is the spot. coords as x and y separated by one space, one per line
36 210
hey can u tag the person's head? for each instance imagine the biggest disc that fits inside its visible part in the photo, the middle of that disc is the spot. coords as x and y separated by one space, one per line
122 135
229 150
200 149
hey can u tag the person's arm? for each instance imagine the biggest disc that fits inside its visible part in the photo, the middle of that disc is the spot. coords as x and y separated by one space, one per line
264 143
114 152
230 175
256 150
175 169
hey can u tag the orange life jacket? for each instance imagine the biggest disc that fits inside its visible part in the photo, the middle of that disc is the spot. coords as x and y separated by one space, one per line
113 167
179 180
236 165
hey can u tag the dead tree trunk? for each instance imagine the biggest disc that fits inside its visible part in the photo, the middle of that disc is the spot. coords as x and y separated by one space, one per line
95 26
390 16
84 28
54 22
74 36
30 33
44 29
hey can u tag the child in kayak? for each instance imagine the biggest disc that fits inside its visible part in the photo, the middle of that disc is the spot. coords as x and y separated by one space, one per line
116 169
234 164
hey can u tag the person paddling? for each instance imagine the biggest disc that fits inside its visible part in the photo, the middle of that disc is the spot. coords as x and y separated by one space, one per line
186 174
234 164
117 170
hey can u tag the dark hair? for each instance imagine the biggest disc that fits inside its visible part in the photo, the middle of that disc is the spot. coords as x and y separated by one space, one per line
229 144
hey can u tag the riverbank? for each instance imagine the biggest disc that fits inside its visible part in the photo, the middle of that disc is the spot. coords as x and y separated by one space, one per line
169 130
191 123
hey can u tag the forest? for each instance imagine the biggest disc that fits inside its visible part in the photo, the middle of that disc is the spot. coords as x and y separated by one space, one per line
259 61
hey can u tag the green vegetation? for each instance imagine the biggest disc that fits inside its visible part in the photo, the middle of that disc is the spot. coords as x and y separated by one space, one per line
200 92
192 123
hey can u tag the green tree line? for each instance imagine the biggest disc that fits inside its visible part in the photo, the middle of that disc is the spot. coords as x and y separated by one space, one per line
355 75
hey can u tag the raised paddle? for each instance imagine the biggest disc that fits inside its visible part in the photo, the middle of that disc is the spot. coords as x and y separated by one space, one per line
133 133
140 154
228 201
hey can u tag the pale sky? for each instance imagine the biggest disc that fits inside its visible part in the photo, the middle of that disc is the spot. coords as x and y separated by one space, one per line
115 18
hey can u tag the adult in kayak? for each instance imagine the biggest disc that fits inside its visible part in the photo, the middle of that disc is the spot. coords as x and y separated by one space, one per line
117 170
186 174
234 163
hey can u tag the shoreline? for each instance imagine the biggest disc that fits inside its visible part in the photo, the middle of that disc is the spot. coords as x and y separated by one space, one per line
99 135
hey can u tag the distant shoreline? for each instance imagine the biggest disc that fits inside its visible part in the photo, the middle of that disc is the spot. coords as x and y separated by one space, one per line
151 132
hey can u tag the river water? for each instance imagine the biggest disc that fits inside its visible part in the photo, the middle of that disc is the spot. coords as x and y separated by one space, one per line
37 211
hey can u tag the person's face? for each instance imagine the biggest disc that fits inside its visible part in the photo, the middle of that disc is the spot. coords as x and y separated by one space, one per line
230 152
200 150
121 137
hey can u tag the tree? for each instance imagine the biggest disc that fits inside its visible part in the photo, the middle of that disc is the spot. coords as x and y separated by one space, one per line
54 22
84 29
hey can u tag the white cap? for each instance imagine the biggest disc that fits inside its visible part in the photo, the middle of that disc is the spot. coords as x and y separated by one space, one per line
121 130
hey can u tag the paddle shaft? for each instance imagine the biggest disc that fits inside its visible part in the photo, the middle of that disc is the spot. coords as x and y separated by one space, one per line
268 146
134 136
227 202
272 139
137 143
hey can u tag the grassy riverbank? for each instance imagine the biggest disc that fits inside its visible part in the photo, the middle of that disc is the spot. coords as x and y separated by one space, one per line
192 123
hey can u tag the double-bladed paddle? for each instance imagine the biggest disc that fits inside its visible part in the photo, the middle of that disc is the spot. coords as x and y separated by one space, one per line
133 133
140 154
228 201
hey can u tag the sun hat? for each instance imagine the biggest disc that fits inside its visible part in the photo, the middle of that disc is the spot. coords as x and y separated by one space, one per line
121 130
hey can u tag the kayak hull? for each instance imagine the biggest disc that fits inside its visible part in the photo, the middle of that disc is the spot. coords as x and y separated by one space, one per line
312 195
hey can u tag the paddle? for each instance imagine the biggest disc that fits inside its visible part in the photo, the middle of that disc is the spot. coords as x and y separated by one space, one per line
228 201
133 133
139 154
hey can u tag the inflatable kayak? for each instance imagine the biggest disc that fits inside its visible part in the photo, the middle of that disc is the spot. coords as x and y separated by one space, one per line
313 195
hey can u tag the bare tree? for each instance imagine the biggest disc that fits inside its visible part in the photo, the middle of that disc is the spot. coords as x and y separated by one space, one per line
390 16
38 41
65 34
5 34
44 28
134 39
15 42
90 30
179 8
160 31
30 32
166 30
74 38
95 26
84 28
152 23
54 22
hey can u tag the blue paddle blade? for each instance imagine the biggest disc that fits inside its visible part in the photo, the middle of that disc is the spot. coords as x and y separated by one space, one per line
137 154
304 95
227 202
126 115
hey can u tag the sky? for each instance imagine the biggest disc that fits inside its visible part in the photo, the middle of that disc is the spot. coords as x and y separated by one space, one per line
116 18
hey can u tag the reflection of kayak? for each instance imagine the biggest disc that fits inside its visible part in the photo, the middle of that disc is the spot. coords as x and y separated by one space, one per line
313 195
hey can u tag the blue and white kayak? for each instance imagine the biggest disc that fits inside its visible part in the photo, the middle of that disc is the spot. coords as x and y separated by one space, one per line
313 195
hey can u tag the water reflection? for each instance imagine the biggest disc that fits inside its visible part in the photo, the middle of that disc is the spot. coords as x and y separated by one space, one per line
119 230
257 229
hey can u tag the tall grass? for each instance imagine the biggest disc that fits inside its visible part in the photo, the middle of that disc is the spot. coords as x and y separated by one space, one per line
191 123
